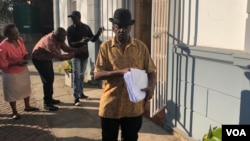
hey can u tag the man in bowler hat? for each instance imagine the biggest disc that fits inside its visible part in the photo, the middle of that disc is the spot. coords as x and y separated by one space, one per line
116 56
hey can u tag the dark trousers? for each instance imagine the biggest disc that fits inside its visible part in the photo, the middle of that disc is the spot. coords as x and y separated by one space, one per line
130 126
46 72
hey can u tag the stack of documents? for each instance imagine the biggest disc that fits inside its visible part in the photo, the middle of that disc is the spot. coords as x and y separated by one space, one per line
136 80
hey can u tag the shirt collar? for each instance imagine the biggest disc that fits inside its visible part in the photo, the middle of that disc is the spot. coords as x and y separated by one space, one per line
74 25
114 43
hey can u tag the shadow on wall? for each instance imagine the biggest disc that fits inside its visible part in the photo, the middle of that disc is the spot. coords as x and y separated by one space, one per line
183 61
244 105
172 116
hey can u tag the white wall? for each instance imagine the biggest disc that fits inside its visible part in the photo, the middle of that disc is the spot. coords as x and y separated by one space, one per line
247 38
67 6
218 23
63 14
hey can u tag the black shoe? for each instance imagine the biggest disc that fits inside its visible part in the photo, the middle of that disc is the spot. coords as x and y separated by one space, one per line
30 109
16 116
82 96
77 102
54 101
50 107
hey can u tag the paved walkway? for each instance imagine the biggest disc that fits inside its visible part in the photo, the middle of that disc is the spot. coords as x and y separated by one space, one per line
70 123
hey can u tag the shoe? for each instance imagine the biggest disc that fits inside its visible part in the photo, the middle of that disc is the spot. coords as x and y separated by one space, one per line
50 107
82 96
54 101
30 109
77 102
16 117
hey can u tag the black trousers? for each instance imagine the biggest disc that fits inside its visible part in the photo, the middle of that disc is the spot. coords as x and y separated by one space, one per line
130 126
46 72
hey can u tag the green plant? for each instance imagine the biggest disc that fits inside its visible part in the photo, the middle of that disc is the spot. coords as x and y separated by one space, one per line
67 66
214 134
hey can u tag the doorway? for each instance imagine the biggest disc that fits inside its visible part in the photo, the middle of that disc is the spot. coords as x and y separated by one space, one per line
143 12
155 37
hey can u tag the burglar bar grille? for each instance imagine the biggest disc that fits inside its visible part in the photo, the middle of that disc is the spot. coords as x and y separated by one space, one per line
159 53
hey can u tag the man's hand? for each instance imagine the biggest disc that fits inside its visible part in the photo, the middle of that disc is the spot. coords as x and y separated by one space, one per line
149 92
123 71
27 56
81 50
101 29
22 63
84 40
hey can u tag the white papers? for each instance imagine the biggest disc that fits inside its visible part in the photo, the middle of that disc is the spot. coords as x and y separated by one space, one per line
136 80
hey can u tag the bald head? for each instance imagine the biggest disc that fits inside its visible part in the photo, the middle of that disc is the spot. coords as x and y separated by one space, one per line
60 34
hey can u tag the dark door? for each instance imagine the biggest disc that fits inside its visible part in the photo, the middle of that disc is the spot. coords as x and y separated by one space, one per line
143 10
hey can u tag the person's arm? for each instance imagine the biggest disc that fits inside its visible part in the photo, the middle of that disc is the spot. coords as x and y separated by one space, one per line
83 41
95 37
4 63
62 57
104 74
151 85
68 49
56 51
18 63
102 69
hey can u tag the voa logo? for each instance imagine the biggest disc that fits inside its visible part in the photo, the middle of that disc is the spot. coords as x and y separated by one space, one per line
236 132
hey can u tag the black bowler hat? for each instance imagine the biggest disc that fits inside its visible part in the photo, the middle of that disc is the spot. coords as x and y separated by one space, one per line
75 14
122 17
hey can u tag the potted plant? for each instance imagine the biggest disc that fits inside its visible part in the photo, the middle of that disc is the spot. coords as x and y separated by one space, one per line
214 134
67 67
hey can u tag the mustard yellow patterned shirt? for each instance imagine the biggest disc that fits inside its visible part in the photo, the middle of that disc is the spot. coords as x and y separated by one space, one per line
114 102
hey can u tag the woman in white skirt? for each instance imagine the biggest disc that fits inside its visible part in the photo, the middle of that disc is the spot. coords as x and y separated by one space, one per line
15 74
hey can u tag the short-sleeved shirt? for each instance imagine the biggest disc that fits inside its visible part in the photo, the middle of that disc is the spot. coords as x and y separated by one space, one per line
48 48
9 53
114 102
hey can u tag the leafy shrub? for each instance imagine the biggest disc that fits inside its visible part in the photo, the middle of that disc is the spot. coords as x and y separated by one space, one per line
214 134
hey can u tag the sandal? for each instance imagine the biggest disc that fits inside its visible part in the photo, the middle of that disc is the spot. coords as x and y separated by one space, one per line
30 109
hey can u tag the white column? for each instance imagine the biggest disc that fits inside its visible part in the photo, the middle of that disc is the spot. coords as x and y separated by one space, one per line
247 37
56 13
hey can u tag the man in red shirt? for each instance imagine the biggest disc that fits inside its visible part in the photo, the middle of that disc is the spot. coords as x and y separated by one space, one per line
47 48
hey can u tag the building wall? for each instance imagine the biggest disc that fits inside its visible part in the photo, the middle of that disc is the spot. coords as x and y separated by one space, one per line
212 23
209 63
